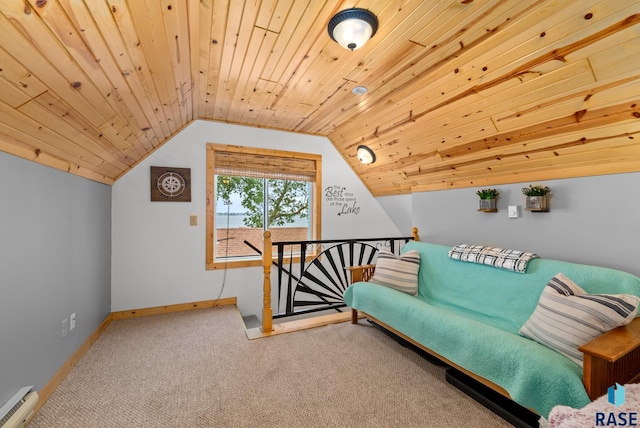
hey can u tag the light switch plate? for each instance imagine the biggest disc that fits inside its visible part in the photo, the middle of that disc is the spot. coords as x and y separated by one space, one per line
193 220
513 211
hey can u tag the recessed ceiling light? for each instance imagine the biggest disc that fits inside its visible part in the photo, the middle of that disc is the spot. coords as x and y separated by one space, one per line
359 90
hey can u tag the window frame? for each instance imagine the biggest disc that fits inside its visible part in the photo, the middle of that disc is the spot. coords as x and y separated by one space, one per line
316 192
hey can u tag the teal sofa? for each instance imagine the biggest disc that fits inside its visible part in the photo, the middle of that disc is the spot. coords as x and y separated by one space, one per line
469 315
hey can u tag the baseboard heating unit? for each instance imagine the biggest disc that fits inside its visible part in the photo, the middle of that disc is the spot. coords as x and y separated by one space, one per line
17 411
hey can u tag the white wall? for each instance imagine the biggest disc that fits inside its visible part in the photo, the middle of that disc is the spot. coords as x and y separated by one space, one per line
399 209
592 220
158 259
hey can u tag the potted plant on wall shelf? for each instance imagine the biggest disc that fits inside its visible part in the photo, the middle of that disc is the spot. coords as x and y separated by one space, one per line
488 200
536 198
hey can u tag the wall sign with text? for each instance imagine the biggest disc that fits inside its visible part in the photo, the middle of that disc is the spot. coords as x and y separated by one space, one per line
341 199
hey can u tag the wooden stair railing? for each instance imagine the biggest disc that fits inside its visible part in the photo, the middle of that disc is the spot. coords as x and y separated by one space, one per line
305 277
365 272
267 312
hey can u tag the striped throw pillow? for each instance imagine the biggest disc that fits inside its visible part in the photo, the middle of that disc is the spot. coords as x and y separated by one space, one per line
396 272
567 317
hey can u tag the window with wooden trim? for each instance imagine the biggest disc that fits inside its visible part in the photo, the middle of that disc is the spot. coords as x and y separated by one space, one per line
252 190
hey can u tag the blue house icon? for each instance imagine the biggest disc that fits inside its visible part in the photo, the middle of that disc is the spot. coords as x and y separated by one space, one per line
616 394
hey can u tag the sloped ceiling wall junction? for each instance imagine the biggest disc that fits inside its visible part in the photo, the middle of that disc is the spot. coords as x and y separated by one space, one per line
460 92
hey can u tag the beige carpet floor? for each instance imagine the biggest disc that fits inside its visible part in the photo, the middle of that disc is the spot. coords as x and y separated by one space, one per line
197 369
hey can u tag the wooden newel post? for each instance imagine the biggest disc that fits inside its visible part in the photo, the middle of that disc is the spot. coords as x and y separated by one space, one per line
414 231
267 312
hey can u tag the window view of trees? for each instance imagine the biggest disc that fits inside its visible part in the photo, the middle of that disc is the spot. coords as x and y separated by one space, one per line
252 190
288 201
243 204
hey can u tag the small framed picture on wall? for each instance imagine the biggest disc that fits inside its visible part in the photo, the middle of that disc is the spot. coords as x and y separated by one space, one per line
170 184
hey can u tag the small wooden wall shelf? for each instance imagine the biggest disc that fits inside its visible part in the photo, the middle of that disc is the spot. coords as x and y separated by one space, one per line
488 206
537 204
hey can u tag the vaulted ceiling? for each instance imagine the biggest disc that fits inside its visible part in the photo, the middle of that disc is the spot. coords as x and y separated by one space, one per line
460 92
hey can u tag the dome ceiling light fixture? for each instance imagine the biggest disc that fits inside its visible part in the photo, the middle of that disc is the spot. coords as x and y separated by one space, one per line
366 155
351 28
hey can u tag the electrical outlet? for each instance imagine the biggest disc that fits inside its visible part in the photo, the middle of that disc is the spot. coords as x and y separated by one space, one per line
72 321
64 327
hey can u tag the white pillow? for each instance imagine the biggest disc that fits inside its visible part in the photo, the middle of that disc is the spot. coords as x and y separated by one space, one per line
567 317
400 272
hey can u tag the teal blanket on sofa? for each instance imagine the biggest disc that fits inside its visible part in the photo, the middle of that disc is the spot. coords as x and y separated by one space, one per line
471 314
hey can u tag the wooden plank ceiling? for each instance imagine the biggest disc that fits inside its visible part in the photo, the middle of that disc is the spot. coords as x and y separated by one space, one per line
461 93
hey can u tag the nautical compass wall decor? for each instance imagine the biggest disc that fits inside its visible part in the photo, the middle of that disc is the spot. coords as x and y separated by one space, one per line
170 184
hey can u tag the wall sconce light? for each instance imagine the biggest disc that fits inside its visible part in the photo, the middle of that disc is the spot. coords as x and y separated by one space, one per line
351 28
366 155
